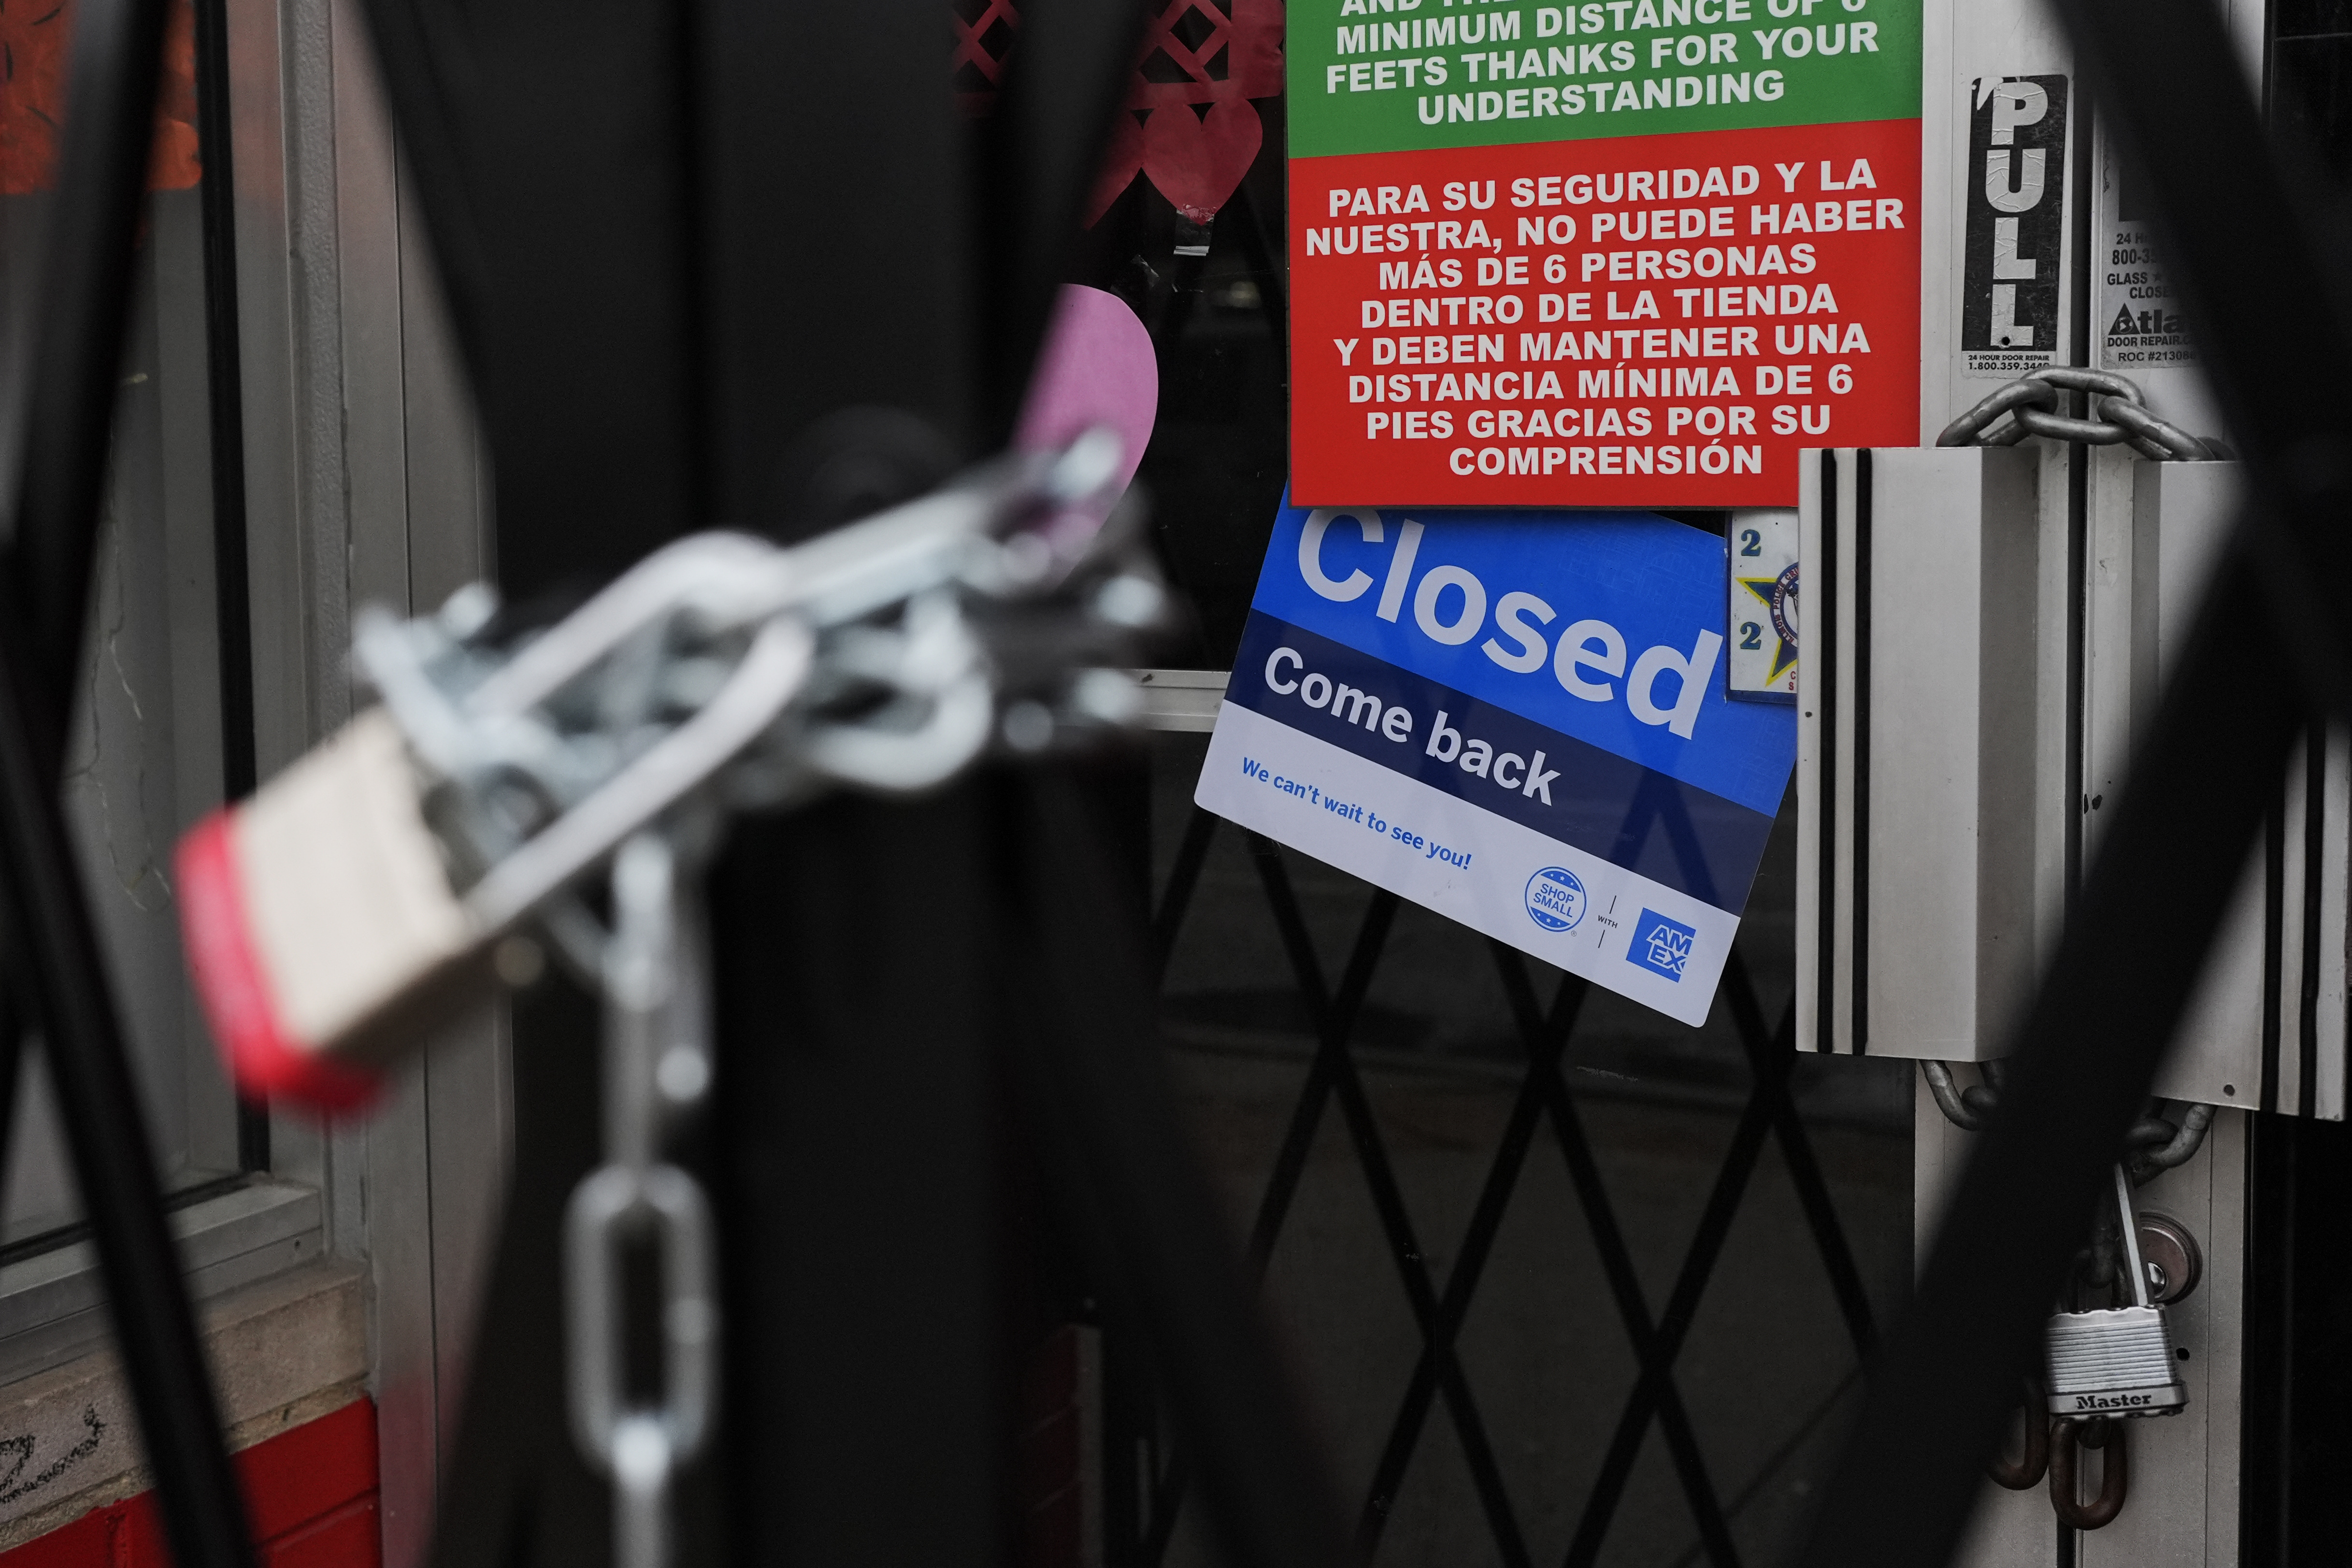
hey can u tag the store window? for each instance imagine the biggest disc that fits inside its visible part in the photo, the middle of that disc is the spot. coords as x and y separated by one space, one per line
161 730
1271 955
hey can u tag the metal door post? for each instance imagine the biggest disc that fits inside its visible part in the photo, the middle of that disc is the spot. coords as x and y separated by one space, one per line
2241 248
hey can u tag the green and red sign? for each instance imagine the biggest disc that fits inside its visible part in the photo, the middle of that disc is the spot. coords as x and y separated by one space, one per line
1629 254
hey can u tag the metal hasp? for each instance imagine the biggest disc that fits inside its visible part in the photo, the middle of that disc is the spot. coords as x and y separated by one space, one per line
2266 1027
1927 899
1919 882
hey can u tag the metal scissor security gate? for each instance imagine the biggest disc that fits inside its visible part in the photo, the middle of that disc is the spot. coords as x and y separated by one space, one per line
1147 1483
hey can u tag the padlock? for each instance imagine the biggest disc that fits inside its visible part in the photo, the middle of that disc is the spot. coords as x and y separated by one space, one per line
366 892
320 913
2116 1361
324 927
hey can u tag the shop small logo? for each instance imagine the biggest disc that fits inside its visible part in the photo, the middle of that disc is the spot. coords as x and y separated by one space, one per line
1555 899
1660 945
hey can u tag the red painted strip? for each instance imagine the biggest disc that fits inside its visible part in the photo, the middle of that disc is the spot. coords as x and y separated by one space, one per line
81 1544
348 1538
317 1467
137 1532
312 1494
230 981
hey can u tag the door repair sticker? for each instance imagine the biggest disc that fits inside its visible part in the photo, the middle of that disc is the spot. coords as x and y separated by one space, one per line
1516 719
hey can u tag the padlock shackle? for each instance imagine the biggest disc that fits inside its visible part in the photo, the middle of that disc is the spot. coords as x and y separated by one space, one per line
2130 1219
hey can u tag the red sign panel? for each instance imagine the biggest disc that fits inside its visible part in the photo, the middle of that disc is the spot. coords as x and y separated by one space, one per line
1652 321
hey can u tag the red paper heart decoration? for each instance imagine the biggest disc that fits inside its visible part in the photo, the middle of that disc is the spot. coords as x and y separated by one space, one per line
1197 161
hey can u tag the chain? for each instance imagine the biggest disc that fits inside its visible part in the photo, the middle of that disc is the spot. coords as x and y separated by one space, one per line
2117 415
656 1069
996 612
2156 1142
726 673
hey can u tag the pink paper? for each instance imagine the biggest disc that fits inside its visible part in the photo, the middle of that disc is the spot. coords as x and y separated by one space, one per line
1098 368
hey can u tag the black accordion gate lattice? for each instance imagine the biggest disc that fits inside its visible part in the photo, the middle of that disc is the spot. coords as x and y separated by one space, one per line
1148 1488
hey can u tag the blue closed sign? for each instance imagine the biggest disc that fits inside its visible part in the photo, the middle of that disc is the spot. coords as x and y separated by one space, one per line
1515 718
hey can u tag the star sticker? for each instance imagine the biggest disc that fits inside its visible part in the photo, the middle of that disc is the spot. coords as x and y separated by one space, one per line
1763 588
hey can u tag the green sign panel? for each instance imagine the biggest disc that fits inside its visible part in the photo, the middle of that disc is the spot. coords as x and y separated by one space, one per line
1386 76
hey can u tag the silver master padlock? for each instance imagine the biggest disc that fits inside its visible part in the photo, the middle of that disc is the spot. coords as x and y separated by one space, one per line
2116 1360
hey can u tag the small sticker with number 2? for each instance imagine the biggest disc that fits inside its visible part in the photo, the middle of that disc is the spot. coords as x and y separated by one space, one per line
1763 606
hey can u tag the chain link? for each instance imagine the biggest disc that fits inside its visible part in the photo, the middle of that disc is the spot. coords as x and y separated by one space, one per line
2117 415
657 1070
